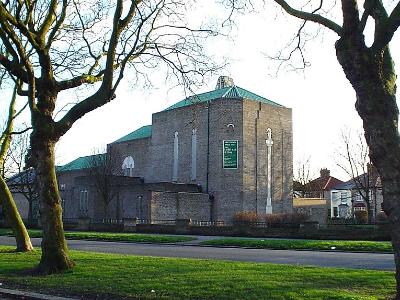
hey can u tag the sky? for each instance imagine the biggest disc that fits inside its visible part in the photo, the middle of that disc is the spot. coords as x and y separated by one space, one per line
321 98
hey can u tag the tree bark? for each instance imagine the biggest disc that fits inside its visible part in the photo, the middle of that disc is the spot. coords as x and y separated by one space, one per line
373 78
14 219
55 256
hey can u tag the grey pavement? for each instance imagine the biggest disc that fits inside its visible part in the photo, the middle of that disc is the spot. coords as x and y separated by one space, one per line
373 261
8 294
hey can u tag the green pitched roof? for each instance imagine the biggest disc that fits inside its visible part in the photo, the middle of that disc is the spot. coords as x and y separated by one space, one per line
141 133
80 163
226 92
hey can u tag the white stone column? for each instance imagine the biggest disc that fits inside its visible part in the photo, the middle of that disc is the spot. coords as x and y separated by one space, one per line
269 142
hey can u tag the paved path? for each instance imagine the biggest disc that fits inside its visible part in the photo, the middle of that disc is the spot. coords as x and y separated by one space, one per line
372 261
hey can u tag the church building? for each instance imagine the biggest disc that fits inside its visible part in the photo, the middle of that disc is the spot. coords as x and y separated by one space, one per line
206 158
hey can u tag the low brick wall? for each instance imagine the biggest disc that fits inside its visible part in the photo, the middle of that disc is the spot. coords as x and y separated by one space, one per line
185 226
378 234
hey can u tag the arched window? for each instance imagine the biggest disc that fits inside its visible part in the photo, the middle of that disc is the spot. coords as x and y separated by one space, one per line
127 166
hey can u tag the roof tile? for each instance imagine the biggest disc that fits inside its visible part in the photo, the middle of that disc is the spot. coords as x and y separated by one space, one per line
141 133
84 162
226 92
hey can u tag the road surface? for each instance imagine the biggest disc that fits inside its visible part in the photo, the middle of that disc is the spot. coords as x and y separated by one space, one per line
373 261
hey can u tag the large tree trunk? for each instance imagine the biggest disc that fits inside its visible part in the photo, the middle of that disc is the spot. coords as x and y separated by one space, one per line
14 219
54 247
374 80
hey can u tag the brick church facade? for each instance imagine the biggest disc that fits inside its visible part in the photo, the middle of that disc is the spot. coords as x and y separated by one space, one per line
206 158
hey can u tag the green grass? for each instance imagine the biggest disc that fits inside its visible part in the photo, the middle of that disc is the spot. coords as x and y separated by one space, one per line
119 276
108 236
364 246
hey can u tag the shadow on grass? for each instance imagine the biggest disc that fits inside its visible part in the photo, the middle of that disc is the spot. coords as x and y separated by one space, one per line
9 251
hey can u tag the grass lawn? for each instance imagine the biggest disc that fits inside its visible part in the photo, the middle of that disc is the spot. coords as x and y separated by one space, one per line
365 246
110 236
122 276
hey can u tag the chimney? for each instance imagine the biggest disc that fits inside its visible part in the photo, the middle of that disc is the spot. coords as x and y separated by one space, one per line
223 82
325 173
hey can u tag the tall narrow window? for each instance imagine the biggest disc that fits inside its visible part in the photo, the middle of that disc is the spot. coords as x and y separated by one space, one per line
176 157
194 155
84 201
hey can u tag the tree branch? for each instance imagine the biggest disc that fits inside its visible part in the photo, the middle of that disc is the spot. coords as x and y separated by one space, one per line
48 21
14 68
385 33
310 17
79 80
351 18
58 24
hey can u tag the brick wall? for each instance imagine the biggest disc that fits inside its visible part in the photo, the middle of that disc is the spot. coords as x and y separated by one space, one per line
193 206
138 149
163 206
181 205
257 118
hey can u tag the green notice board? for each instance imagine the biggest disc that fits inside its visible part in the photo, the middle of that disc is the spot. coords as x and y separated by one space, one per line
230 154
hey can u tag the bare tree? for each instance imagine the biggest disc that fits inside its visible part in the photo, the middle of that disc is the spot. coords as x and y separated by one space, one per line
302 177
56 46
103 169
24 179
370 70
355 162
6 199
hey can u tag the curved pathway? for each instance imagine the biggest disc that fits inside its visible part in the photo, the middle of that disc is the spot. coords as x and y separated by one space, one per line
373 261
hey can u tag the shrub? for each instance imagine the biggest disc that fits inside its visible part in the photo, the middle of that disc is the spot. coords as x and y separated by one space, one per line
361 216
298 218
272 220
275 220
382 218
246 216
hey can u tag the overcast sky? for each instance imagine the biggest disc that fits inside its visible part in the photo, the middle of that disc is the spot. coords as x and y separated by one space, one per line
321 97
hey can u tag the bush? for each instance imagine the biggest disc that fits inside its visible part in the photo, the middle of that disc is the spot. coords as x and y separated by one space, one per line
361 216
298 218
246 216
382 218
274 220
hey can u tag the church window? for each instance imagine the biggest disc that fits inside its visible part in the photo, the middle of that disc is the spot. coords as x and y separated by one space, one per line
194 155
176 158
127 166
84 200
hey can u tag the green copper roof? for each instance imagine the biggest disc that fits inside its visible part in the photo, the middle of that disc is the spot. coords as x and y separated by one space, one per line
226 92
141 133
80 163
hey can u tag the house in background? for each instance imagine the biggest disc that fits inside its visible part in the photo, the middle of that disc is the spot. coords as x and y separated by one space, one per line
314 197
321 186
315 208
340 204
351 196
